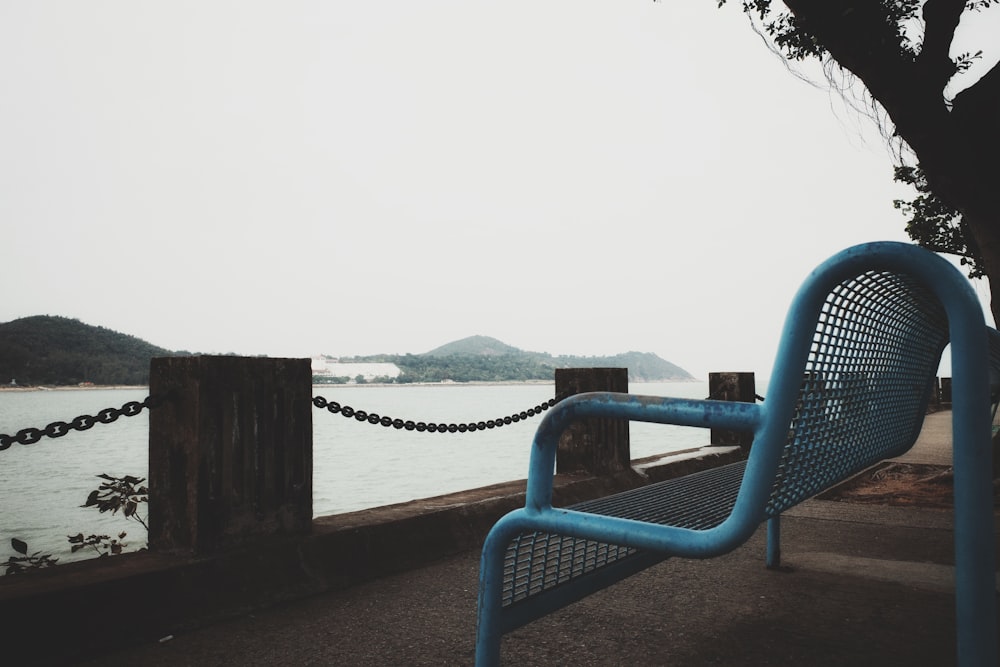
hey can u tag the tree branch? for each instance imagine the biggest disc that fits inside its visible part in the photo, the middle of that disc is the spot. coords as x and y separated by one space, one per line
984 93
860 36
941 18
855 32
976 114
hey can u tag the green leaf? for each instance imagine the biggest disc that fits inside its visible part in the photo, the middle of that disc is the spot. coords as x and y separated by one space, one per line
19 546
91 499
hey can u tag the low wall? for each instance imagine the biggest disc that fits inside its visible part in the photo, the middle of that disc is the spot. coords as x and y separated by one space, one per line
82 609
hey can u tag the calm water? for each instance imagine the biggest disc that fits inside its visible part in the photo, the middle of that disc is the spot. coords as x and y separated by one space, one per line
355 465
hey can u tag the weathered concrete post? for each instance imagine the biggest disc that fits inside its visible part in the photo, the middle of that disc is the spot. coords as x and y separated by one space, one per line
230 451
731 387
935 401
597 446
946 392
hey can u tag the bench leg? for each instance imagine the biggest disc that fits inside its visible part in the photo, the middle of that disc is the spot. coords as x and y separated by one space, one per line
488 632
489 621
774 542
975 547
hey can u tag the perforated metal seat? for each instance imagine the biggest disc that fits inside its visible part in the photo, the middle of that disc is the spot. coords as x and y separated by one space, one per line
538 561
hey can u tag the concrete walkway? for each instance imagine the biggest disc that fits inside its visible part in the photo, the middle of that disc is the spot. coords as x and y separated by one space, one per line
933 446
861 585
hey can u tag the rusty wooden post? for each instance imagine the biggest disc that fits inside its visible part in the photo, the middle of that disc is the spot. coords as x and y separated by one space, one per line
597 446
731 387
230 451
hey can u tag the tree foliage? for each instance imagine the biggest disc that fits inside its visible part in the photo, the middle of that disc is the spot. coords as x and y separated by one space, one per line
486 359
521 366
948 131
49 350
471 368
934 224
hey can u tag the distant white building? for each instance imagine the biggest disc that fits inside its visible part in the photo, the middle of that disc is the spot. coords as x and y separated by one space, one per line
369 371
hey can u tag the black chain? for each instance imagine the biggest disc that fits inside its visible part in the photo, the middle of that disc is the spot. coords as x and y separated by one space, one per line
373 418
29 436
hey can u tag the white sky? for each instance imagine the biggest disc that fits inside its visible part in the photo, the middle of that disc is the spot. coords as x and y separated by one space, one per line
294 178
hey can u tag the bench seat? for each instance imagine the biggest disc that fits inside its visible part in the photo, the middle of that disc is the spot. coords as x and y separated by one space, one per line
537 562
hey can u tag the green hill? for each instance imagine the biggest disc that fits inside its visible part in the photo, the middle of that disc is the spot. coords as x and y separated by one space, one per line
642 366
59 351
485 359
474 345
48 350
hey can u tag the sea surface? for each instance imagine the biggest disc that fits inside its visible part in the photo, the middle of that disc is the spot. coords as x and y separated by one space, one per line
355 465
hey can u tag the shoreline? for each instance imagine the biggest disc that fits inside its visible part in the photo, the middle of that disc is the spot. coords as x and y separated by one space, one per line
60 387
446 383
481 383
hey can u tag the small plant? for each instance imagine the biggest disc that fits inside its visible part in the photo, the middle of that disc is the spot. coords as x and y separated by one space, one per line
114 494
119 493
24 562
102 544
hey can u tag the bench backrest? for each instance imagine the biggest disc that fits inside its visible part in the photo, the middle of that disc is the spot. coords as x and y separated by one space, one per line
868 376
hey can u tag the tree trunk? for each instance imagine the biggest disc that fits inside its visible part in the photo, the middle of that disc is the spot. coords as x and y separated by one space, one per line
985 230
976 118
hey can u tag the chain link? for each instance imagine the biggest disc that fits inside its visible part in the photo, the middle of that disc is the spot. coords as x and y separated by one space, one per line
57 429
421 427
29 436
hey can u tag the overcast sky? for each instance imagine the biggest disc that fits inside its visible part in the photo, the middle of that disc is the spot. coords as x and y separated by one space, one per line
295 178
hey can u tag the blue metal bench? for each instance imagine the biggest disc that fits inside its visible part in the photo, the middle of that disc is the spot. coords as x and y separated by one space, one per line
850 387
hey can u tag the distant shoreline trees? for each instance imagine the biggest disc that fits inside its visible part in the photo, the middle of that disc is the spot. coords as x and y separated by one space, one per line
60 351
516 366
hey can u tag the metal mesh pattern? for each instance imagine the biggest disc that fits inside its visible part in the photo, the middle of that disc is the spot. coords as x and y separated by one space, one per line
877 344
537 561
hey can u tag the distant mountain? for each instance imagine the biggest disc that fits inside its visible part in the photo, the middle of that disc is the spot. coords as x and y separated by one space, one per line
49 350
474 345
59 351
642 366
487 359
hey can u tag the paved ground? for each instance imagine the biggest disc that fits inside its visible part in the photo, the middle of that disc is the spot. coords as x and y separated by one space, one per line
933 446
862 585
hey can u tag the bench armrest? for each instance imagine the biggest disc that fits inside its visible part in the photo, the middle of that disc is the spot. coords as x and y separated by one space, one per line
610 405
